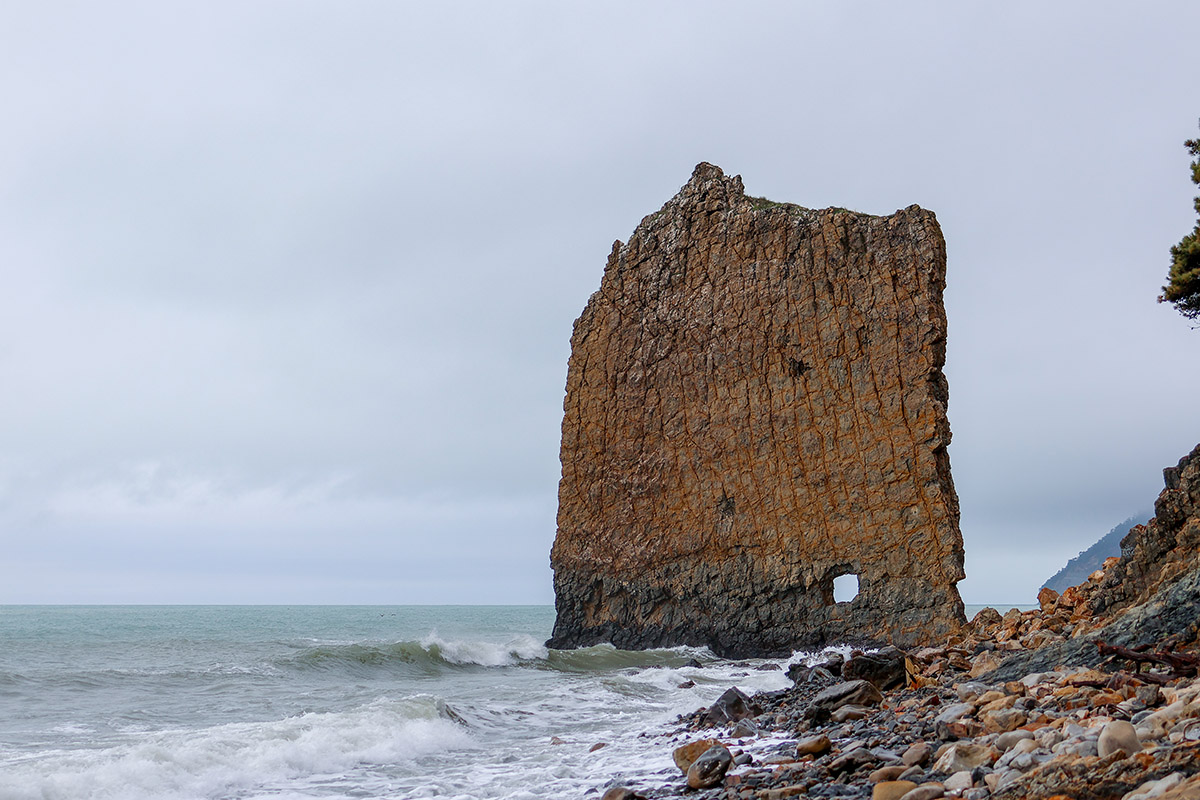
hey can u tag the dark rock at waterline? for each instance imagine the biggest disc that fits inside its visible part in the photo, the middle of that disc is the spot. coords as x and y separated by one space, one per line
685 755
884 668
858 692
709 769
825 671
731 706
810 676
744 729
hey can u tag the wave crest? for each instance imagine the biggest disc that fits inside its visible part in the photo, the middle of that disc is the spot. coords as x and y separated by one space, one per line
431 654
304 752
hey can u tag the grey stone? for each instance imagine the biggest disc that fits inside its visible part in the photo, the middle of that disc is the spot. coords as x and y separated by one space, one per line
1005 741
733 705
709 769
858 692
1118 735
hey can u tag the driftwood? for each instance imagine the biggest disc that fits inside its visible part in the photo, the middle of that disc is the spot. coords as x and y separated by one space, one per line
1181 664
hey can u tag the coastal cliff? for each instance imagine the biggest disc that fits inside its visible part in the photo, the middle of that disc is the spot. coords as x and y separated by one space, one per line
1148 598
755 406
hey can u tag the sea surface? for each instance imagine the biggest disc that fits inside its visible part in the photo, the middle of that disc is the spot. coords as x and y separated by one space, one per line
454 702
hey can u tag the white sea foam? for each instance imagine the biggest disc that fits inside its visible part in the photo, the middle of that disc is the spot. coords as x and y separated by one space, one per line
353 710
486 654
233 760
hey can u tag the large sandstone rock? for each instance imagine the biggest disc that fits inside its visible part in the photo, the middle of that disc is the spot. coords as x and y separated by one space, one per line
755 406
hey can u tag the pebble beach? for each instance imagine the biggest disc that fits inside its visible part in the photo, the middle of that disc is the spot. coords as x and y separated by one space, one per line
946 721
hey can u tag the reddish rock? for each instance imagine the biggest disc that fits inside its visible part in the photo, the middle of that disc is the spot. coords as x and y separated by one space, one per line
1047 599
684 755
755 406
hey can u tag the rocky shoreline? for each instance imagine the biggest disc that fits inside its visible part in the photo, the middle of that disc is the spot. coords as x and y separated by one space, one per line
1094 695
951 721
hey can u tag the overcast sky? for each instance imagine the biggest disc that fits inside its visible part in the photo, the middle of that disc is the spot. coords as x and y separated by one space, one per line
286 288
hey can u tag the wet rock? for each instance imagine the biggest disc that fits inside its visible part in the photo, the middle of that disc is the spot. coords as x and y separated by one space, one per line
686 754
687 685
731 706
744 729
622 793
801 674
883 669
709 768
833 662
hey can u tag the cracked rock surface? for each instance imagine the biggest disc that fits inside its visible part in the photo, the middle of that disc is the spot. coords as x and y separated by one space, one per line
755 406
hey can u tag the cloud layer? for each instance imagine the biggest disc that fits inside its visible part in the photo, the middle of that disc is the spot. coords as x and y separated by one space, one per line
287 288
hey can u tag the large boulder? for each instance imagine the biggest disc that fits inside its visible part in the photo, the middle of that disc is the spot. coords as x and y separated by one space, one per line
884 669
709 769
731 706
755 407
859 693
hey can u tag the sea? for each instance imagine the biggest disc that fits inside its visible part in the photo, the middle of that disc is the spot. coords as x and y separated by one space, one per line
240 702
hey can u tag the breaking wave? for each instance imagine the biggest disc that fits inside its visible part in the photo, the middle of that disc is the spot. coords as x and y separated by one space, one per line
433 655
232 760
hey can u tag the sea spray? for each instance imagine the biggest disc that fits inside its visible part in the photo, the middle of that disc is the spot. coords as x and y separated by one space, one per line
322 702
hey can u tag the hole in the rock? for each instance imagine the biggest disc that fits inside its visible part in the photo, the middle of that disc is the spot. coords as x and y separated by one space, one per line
845 588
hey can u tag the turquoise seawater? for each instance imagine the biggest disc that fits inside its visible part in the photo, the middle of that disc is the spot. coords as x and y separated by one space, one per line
328 702
207 702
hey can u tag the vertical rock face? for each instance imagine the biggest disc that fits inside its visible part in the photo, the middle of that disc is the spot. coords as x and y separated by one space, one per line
755 406
1163 550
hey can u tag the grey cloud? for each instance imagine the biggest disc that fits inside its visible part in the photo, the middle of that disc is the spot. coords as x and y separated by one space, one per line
286 250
